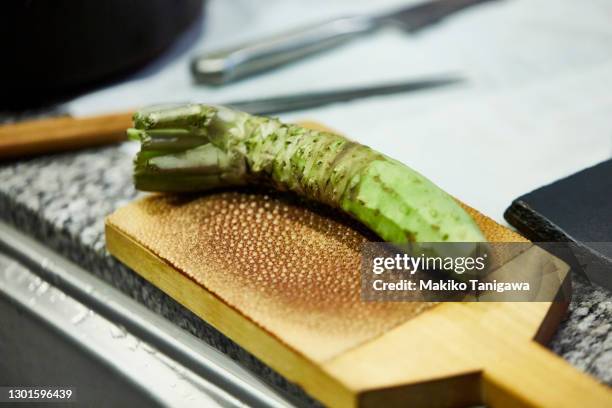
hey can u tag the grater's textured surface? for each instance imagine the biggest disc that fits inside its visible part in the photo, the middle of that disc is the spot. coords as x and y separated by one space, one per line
293 271
63 199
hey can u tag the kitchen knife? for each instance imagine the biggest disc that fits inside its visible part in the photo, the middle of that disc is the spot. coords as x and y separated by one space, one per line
66 133
227 65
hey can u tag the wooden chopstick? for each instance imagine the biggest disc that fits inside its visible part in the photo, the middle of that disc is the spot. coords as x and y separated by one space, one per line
61 134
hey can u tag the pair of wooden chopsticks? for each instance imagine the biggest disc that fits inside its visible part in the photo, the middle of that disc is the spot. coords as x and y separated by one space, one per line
61 133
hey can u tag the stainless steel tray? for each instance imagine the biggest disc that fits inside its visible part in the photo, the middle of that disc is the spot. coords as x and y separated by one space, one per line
63 326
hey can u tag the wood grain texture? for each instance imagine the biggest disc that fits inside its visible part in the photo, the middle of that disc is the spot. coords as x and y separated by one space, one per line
62 133
282 280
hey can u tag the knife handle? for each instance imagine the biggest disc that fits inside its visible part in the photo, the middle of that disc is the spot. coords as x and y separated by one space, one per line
229 64
57 134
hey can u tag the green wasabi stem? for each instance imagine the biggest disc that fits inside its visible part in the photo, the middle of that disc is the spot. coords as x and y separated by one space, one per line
201 147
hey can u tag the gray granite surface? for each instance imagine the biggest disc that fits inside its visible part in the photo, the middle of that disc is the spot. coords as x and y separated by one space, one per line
62 200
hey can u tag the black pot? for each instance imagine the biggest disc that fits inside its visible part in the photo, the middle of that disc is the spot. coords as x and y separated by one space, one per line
52 48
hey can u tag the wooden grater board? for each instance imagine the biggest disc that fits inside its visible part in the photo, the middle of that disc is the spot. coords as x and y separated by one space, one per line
282 280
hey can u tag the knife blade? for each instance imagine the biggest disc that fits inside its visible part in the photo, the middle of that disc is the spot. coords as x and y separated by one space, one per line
306 100
423 15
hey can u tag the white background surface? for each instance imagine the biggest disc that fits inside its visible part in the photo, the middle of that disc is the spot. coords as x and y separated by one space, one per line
536 104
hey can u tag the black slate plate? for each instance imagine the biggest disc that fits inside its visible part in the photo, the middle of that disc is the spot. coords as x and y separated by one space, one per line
575 209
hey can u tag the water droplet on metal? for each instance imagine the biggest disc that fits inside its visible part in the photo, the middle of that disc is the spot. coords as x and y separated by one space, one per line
80 317
118 332
42 289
